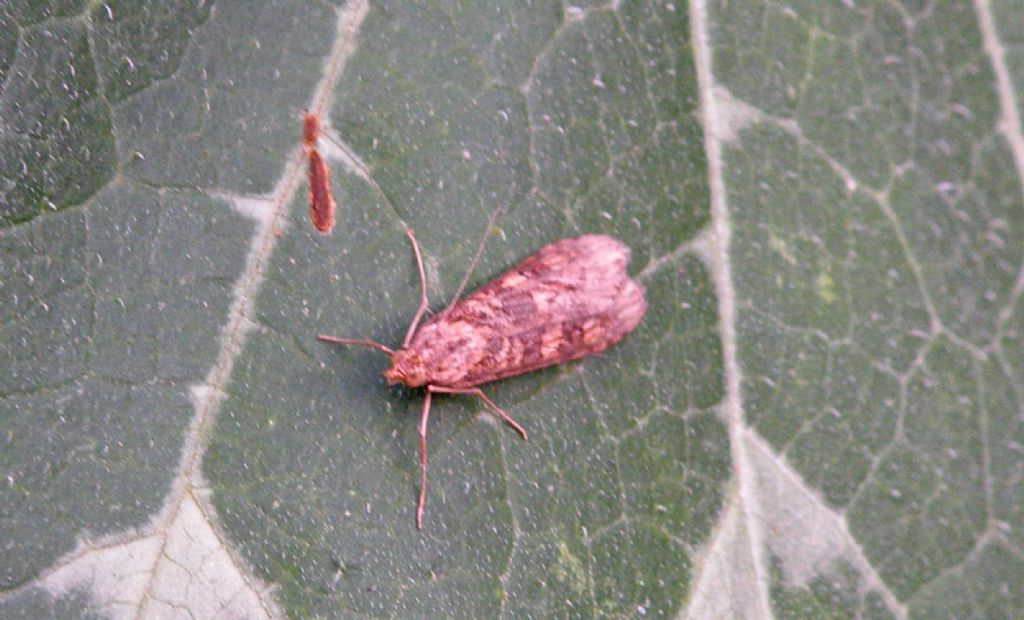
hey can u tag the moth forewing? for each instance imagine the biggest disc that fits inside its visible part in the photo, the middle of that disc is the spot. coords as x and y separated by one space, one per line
570 299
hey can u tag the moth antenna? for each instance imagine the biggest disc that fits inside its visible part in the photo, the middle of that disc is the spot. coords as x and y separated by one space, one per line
476 259
423 290
369 344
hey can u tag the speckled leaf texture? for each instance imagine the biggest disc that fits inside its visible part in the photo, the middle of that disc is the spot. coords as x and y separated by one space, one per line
820 416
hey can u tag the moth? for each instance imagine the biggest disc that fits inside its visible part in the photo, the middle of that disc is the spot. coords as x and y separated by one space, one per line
571 299
321 202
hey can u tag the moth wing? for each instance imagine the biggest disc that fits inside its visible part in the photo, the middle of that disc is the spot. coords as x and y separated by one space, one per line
570 299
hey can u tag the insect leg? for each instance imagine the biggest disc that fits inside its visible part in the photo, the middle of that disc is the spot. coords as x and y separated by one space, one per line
487 401
423 460
423 291
356 341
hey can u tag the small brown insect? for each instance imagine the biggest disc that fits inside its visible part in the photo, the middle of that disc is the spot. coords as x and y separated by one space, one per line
321 203
571 299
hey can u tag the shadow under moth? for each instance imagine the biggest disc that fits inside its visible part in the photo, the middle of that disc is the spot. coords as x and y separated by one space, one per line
571 299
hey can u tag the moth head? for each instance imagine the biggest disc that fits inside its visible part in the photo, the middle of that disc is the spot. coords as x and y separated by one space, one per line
406 368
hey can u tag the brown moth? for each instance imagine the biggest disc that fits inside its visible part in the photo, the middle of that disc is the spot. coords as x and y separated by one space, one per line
571 299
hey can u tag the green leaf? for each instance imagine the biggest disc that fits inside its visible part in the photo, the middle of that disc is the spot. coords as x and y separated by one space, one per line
819 416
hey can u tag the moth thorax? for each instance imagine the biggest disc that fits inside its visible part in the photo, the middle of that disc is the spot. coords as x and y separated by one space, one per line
406 368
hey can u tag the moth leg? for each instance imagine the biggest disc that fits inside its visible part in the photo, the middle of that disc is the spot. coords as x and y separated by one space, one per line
423 460
423 290
487 401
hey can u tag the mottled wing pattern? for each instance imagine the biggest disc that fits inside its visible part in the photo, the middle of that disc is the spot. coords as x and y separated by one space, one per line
571 299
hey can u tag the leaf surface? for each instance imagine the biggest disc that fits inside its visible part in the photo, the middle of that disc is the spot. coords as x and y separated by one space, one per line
819 416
